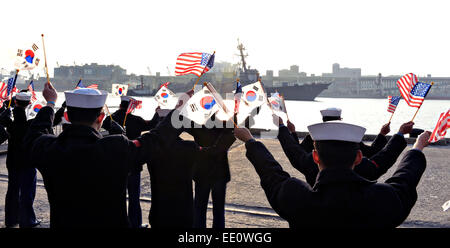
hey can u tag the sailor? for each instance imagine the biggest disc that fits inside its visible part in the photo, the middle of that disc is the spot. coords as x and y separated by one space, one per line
4 115
85 174
212 173
134 126
21 175
171 175
340 197
370 168
331 114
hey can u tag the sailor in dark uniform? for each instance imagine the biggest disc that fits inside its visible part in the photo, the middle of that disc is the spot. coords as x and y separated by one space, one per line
5 117
21 175
340 197
171 175
85 174
134 126
331 114
212 173
370 168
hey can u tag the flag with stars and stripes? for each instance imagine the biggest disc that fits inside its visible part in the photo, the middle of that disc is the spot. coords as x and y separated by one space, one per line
194 63
412 91
442 125
393 102
31 90
80 85
134 104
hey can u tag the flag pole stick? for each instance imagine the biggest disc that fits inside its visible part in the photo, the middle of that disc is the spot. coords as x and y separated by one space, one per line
219 102
125 119
45 59
198 79
422 102
14 84
392 116
109 113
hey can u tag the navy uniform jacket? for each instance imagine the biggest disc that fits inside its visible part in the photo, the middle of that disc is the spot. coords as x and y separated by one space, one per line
85 174
370 168
171 175
340 197
3 134
212 169
367 151
135 125
4 120
17 130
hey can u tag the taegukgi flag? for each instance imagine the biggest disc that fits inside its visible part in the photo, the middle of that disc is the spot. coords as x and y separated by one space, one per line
119 89
166 98
200 107
253 95
27 59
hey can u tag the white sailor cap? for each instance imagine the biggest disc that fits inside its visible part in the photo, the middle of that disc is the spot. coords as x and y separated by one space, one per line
125 98
336 130
85 98
23 96
331 112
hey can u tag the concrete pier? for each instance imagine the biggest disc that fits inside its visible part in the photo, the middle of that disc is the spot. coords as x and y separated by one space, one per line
247 205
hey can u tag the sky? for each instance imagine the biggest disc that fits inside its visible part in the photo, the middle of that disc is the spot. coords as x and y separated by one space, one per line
388 37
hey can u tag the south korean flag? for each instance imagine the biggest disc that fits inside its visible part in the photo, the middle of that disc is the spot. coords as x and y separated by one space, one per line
253 95
28 58
166 98
200 107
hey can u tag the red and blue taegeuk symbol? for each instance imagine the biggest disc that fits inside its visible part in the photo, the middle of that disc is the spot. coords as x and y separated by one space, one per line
29 56
164 95
250 96
207 102
120 91
37 107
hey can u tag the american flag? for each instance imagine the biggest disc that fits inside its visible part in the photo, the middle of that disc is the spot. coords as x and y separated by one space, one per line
418 94
166 84
80 85
31 89
237 97
440 130
412 91
194 63
393 102
11 86
3 92
134 104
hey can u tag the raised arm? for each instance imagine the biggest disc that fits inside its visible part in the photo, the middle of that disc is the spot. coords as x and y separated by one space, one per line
299 158
59 114
374 167
284 193
407 176
378 144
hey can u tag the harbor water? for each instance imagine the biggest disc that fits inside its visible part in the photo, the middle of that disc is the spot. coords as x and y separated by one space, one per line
370 113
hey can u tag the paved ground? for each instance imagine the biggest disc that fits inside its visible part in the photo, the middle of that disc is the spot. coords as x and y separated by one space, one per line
248 207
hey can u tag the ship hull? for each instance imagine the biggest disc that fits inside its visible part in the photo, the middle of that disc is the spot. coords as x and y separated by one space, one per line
305 92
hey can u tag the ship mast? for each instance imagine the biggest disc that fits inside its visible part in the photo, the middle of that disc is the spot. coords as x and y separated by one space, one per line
241 49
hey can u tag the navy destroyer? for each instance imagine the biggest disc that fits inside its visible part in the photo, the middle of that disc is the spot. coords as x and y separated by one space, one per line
291 90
